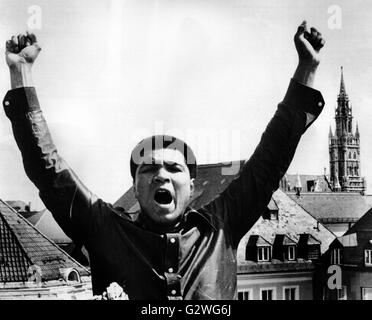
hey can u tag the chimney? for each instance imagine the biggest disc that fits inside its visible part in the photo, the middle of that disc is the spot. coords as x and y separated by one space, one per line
28 207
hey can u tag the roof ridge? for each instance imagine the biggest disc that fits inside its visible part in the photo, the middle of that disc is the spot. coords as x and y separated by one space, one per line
42 215
43 235
347 194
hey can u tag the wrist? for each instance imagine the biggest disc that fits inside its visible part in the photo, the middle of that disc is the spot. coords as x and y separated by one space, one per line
305 72
309 64
21 76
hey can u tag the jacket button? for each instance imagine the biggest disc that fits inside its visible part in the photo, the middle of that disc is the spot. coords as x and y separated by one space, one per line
173 292
170 270
6 103
320 103
172 240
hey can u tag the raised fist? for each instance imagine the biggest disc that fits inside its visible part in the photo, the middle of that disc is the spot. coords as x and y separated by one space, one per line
308 44
21 49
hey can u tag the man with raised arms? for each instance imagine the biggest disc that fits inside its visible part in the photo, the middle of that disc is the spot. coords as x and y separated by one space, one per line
170 251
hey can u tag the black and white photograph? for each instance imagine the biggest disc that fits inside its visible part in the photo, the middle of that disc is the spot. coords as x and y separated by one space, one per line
186 150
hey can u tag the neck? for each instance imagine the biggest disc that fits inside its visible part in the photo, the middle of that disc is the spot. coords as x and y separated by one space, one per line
153 226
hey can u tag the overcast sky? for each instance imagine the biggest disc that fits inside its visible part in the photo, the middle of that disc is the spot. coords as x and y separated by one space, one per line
211 72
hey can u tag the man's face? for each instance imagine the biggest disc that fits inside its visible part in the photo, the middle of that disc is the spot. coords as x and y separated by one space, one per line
163 187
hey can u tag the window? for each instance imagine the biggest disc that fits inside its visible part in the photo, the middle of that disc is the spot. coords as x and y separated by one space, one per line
270 214
342 293
354 156
291 293
263 253
268 294
274 215
291 253
336 256
245 295
368 257
366 293
313 252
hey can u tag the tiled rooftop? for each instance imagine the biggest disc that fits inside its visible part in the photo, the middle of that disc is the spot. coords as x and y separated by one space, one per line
22 245
292 221
333 206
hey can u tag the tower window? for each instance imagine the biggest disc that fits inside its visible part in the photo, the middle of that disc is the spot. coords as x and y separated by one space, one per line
349 155
354 156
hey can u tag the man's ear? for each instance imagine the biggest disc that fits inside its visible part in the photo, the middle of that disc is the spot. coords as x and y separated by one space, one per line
192 187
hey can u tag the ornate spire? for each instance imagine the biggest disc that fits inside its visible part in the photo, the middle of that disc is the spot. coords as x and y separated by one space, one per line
342 85
343 107
357 131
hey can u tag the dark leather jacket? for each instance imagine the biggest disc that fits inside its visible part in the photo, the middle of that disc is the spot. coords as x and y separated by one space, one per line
198 261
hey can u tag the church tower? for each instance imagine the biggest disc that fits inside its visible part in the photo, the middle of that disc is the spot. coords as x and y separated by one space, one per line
344 148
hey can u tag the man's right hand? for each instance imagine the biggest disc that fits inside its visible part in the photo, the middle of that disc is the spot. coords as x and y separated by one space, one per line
21 50
21 53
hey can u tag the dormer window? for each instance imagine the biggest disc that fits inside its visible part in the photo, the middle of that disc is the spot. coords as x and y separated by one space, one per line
368 257
308 247
263 254
291 253
271 211
284 248
258 249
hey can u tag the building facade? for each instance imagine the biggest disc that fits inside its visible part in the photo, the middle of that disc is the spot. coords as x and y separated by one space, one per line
34 267
277 257
352 254
344 148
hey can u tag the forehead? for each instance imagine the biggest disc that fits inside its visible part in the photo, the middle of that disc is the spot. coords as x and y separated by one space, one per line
163 155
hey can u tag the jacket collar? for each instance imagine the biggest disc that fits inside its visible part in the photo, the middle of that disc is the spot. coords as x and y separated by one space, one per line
191 218
201 216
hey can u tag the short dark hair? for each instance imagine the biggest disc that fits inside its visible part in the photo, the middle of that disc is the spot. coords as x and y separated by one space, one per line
162 142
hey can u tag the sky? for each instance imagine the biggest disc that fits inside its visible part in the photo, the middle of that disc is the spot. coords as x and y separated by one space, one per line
210 72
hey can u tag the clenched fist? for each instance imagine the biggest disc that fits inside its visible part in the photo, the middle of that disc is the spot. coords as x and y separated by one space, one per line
21 50
308 44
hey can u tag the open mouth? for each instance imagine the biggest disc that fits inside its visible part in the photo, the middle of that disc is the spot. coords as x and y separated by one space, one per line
163 196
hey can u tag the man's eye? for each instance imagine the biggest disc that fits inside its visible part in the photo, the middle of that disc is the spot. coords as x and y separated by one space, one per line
174 169
146 169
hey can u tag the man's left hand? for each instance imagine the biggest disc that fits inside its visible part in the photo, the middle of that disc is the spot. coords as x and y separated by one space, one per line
308 45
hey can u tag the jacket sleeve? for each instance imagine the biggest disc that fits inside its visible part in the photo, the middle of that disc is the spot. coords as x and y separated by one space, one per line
245 199
73 206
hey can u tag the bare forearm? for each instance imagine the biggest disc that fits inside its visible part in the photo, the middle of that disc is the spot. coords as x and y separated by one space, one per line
21 76
305 73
